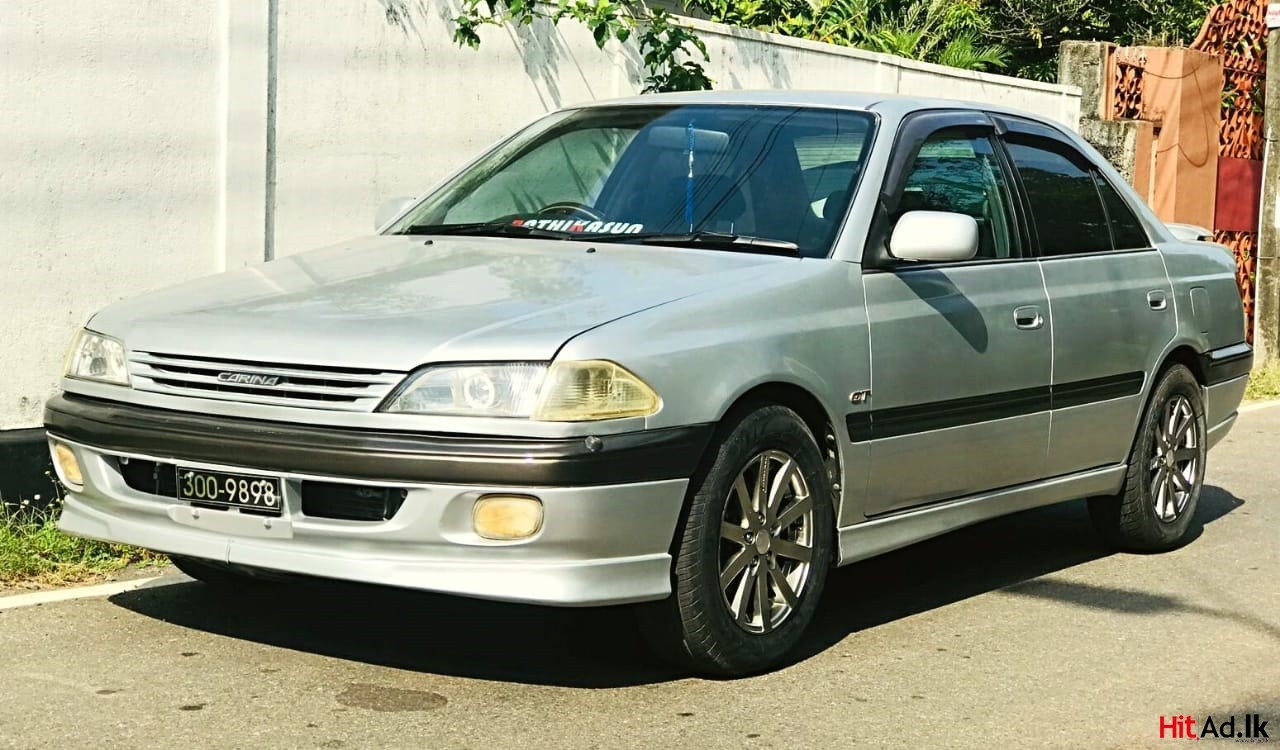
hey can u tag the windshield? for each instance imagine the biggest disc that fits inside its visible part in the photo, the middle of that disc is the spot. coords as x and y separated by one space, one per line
772 174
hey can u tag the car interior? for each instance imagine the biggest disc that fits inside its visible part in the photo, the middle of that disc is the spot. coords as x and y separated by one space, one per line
741 185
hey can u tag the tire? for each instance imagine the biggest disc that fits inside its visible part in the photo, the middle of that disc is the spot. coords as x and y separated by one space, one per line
724 631
1153 511
213 573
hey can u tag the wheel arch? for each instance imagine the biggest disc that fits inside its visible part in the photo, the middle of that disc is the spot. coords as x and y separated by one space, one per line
795 397
1178 353
1182 354
824 428
808 407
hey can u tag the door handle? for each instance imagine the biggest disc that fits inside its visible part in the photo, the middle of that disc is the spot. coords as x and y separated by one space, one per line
1157 299
1028 317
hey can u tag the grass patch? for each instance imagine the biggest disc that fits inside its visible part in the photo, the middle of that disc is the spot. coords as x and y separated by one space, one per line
33 552
1264 382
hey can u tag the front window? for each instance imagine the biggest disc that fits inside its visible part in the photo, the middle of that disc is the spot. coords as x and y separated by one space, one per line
746 177
959 173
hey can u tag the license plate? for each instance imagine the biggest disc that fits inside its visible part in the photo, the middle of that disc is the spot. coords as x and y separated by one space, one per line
253 493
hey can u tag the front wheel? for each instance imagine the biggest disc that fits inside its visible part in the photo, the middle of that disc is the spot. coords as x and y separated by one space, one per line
754 549
1166 470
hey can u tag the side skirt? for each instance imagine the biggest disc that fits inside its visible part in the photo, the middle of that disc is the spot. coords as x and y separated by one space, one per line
875 537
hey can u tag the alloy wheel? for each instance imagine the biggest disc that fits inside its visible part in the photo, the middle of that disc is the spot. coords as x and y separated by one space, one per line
766 542
1175 459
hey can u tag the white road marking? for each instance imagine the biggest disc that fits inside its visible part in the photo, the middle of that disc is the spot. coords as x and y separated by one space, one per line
81 592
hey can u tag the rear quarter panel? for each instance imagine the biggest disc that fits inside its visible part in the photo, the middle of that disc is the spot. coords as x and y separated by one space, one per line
1210 314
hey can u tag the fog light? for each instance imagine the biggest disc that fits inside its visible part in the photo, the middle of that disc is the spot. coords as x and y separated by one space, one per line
68 466
507 516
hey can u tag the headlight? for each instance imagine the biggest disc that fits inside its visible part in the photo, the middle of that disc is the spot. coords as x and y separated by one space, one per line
499 390
593 389
563 392
97 357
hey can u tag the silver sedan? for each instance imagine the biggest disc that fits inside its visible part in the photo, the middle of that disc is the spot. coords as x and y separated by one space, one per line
686 352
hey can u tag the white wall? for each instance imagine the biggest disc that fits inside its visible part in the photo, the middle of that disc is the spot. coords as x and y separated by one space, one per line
138 147
109 181
389 108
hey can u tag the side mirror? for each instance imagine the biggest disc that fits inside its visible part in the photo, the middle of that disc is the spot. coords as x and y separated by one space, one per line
390 209
934 237
1190 233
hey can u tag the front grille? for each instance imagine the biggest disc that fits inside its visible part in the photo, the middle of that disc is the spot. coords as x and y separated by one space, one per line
307 386
334 500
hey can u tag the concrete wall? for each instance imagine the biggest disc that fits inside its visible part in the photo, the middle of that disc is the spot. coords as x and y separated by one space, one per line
1130 147
109 181
389 107
148 142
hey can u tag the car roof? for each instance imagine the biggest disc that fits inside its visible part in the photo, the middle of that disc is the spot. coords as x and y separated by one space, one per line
890 105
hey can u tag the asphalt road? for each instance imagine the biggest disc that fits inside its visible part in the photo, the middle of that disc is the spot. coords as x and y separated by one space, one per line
1021 632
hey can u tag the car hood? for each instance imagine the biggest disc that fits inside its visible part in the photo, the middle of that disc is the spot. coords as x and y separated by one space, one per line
397 302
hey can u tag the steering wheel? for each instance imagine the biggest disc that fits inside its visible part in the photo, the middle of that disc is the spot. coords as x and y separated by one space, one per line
570 208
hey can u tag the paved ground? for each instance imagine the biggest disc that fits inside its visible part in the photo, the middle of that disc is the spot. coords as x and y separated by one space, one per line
1020 632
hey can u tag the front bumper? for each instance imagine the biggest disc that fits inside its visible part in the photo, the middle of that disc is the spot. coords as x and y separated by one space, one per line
610 505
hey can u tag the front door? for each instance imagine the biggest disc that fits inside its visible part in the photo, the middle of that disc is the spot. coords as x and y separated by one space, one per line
960 352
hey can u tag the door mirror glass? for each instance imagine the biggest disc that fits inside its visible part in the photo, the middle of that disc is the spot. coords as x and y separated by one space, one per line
390 209
934 237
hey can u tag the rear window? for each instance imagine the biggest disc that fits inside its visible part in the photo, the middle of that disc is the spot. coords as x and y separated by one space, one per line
1067 210
1126 231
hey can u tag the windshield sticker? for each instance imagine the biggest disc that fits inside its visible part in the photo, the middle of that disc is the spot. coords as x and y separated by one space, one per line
579 225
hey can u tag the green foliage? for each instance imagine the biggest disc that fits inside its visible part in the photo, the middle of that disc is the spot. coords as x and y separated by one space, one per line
941 31
672 54
1021 36
34 551
1264 382
1033 29
965 52
662 44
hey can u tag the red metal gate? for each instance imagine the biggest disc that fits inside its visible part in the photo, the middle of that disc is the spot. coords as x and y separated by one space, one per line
1236 32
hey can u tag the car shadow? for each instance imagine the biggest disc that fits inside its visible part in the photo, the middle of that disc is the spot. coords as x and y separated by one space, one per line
601 647
990 556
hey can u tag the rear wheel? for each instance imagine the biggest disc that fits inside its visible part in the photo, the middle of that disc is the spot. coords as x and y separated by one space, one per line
753 551
1166 470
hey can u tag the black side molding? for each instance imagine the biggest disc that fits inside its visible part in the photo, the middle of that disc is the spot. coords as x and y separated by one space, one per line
1217 366
938 415
1227 363
644 456
1083 392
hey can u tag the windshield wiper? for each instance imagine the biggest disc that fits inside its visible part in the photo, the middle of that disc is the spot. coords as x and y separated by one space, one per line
725 240
485 228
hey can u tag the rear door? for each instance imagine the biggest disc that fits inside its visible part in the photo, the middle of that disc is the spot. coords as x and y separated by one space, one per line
960 352
1111 301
